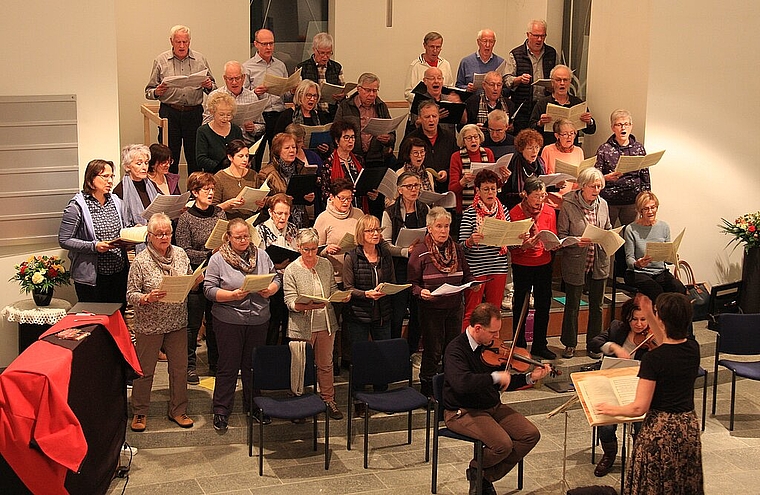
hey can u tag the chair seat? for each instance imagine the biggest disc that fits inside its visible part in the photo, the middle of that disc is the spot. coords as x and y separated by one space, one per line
701 372
392 401
743 368
446 432
285 408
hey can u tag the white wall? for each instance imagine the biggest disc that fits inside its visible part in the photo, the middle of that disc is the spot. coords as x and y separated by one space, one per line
219 31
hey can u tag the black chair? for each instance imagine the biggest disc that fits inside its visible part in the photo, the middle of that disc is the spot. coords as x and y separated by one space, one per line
738 334
271 371
439 431
383 363
619 268
724 298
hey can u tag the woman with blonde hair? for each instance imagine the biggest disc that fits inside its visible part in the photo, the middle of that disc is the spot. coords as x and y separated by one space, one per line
212 139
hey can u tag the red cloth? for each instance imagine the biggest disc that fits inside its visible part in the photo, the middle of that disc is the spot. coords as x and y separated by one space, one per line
34 408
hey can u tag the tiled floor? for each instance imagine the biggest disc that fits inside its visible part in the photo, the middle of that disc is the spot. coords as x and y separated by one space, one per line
730 461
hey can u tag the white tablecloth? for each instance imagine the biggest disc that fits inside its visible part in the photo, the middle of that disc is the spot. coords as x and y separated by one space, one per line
25 311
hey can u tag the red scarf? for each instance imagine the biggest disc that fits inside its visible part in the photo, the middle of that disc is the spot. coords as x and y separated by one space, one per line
482 211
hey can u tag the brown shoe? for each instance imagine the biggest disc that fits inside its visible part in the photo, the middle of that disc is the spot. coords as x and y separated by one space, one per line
138 422
333 410
607 460
183 420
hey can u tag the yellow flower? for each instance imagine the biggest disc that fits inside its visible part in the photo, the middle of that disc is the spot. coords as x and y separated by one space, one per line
38 278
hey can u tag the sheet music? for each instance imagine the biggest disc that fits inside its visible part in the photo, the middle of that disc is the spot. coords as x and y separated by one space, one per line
551 241
134 235
328 90
453 289
633 163
249 112
556 178
502 233
257 283
390 289
574 169
376 126
278 86
446 200
194 80
544 83
665 251
612 386
407 236
216 238
573 114
477 78
608 239
337 296
170 204
178 287
252 195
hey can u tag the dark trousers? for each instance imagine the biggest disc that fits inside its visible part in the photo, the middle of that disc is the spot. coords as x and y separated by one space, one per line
507 434
653 286
198 307
539 278
439 327
236 344
183 126
107 288
270 120
573 294
278 321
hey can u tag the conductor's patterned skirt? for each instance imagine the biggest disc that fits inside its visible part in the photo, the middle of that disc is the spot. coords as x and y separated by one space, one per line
667 456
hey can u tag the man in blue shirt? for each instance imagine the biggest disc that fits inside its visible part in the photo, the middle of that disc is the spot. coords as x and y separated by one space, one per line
482 61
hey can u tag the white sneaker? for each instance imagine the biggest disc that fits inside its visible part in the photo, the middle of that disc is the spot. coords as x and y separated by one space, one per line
128 450
506 303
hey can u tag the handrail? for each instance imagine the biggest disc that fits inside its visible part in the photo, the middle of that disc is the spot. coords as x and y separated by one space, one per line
150 114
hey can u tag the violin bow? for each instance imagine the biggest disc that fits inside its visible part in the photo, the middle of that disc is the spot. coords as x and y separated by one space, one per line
647 339
520 322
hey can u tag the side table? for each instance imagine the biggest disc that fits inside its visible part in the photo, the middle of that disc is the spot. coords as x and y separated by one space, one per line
34 320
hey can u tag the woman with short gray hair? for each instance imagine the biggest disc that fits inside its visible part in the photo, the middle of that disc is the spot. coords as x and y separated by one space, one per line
134 190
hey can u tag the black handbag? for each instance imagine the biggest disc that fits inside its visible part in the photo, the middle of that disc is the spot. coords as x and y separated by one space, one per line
697 292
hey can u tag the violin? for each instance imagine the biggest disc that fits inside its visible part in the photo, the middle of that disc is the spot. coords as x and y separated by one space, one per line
644 339
509 355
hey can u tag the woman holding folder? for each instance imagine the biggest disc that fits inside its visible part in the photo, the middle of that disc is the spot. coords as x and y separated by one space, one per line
241 318
313 321
231 180
159 325
193 230
280 169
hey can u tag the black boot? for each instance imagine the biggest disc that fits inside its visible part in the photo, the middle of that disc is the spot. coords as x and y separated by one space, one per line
472 477
608 459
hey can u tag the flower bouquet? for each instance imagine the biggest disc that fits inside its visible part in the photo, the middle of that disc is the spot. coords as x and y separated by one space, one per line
744 230
40 274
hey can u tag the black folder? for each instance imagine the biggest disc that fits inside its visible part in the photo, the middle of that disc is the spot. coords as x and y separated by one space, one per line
369 179
300 185
278 254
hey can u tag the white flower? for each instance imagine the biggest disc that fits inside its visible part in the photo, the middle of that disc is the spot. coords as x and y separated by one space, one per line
38 278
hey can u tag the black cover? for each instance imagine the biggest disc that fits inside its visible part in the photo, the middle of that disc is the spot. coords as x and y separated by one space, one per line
369 179
456 110
278 254
300 185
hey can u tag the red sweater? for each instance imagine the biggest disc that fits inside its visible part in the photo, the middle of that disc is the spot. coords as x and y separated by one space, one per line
538 256
456 172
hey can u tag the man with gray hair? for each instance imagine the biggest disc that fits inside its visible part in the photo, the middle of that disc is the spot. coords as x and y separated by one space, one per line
234 80
320 68
482 61
432 44
529 62
181 106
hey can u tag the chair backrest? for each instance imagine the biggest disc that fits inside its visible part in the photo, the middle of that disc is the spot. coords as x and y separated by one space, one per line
271 367
438 396
619 265
739 333
380 362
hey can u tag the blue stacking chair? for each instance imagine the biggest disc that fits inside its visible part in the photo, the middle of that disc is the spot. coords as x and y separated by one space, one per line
383 363
271 371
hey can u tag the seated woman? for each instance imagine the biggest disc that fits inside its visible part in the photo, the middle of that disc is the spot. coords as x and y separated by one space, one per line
650 277
406 212
437 260
158 169
90 221
159 325
277 173
231 180
667 453
306 111
489 264
212 139
135 191
313 322
525 163
623 336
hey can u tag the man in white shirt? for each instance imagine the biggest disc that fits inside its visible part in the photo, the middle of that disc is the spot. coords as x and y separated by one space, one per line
432 44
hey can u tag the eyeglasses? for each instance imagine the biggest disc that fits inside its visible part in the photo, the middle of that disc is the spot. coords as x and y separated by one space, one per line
311 96
280 213
649 208
567 134
561 79
267 44
376 230
539 36
622 124
348 137
369 90
241 238
161 235
324 53
487 42
418 153
345 199
207 188
106 177
234 78
495 84
411 187
533 148
488 189
471 138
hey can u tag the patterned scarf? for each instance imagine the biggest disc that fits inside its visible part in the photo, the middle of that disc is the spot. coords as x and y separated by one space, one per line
483 109
444 257
482 211
246 262
421 173
165 263
589 210
298 116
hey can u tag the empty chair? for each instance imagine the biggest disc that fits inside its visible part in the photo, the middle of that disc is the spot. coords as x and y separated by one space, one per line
271 371
380 364
738 334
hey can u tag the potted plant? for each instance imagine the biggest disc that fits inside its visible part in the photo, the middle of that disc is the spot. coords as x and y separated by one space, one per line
39 275
745 231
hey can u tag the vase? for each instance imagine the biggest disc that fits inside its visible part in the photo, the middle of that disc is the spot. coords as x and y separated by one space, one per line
42 298
749 296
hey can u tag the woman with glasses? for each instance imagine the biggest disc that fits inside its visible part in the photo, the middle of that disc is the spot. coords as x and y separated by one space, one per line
524 164
306 111
277 174
313 322
241 318
532 265
342 162
157 324
622 189
193 230
231 180
212 138
311 160
412 155
278 230
460 174
158 169
651 278
489 264
565 150
410 213
584 263
90 221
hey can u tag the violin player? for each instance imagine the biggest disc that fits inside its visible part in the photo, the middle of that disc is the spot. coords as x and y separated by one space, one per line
627 338
472 399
